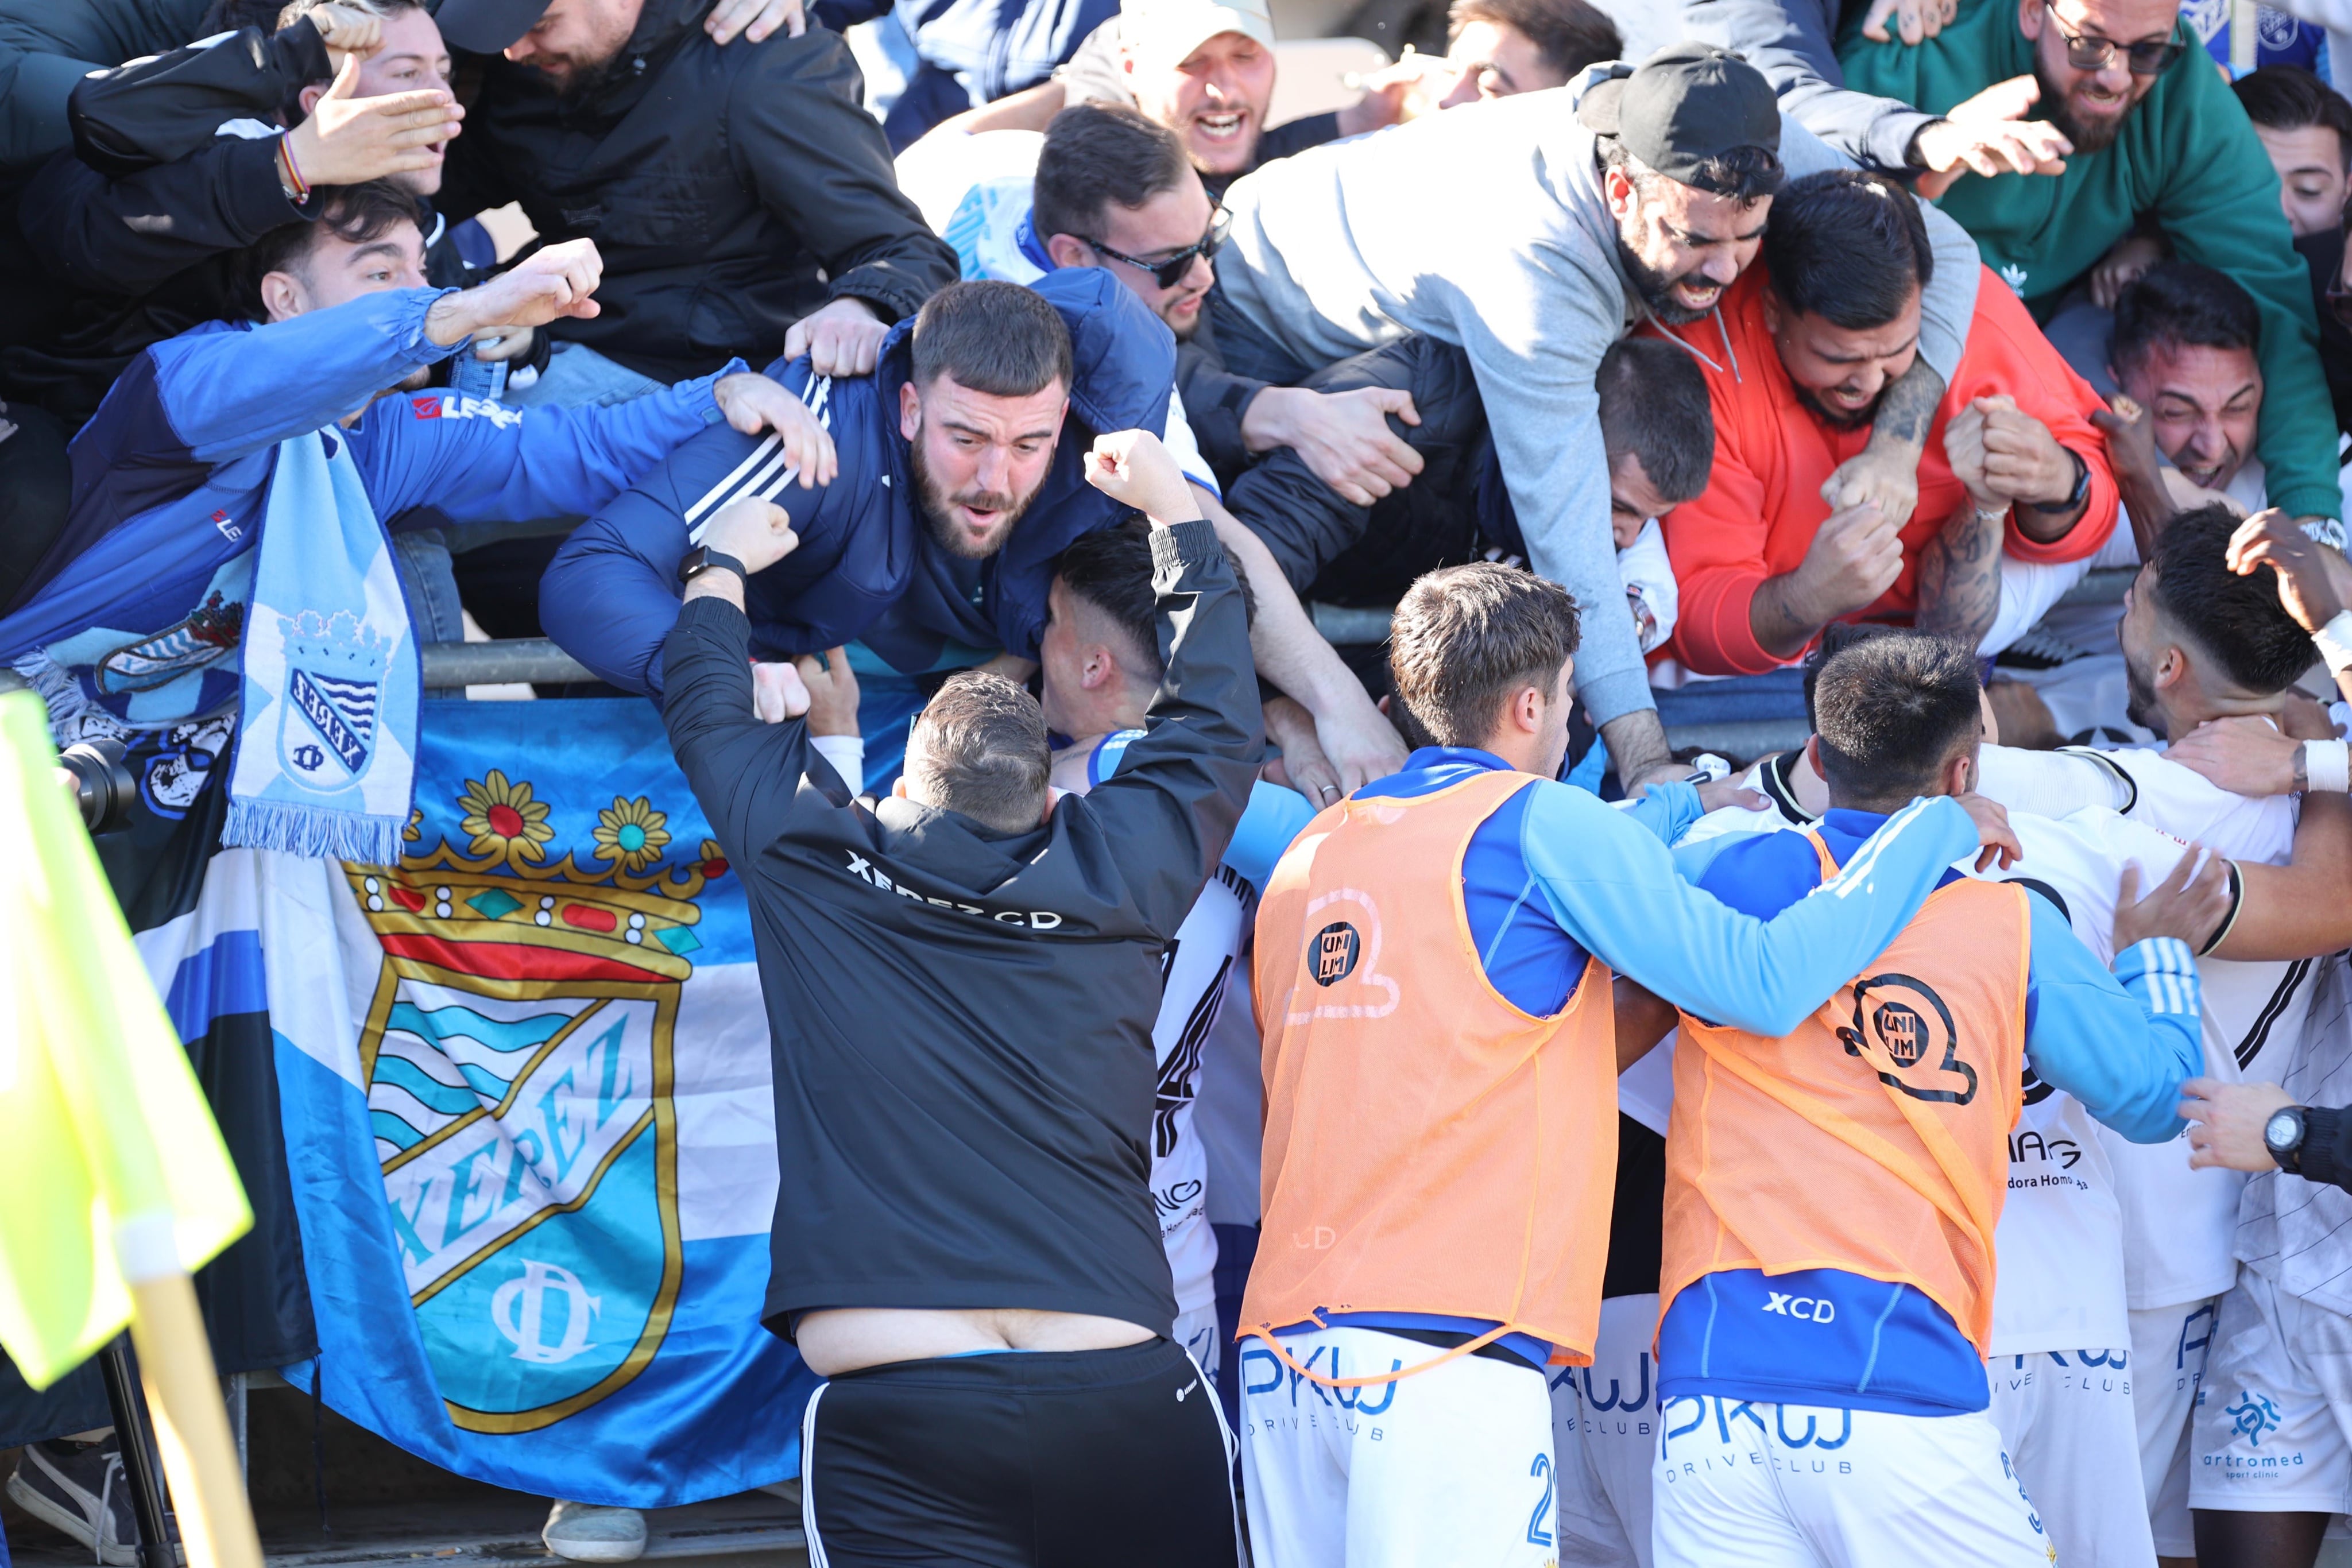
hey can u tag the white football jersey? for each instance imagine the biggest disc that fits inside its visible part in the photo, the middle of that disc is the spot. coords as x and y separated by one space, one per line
2179 1224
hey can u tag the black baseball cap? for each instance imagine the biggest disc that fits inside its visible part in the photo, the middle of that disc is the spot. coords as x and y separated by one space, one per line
487 27
1686 104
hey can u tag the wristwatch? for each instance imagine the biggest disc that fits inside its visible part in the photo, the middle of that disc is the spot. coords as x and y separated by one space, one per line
2073 496
2284 1136
702 558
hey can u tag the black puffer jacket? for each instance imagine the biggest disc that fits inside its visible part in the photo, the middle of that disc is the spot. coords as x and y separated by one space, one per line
730 190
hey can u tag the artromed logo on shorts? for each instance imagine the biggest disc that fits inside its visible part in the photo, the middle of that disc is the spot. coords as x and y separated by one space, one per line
1909 1039
1337 948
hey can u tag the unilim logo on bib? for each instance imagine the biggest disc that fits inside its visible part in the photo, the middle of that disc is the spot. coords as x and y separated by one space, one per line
1903 1031
1337 948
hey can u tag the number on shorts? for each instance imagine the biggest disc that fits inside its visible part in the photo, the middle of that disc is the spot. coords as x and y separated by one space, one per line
1536 1534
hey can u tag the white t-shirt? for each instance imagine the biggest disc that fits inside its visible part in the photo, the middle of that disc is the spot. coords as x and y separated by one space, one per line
2179 1224
974 191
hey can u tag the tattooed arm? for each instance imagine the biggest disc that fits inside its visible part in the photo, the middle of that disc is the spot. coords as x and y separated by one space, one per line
1959 574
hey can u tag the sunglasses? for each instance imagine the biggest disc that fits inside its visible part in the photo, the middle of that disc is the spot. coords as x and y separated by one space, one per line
2086 52
1170 270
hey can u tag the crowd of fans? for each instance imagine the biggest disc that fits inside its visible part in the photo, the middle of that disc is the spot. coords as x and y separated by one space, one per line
1799 368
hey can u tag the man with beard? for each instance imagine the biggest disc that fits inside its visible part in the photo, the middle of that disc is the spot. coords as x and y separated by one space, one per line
962 983
2155 132
959 478
1539 226
1797 358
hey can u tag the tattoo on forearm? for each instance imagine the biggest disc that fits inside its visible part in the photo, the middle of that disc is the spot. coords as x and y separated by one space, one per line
1908 407
1960 576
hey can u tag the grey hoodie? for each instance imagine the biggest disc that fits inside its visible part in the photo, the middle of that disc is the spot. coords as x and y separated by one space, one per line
1485 227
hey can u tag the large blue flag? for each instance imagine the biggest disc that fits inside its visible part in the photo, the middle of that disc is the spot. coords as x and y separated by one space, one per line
524 1083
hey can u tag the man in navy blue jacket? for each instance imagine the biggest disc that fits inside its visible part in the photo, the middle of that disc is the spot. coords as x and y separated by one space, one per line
932 547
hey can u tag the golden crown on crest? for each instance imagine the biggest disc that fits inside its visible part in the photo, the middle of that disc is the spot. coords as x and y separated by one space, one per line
500 909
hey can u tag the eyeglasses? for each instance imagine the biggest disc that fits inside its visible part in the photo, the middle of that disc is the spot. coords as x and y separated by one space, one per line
1170 270
2086 52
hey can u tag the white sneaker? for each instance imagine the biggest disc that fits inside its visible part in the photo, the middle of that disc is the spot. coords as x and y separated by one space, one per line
586 1532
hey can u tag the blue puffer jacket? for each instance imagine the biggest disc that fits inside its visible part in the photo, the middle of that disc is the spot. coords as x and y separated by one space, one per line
865 561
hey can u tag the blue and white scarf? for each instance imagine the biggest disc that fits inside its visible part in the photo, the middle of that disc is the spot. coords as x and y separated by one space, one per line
327 728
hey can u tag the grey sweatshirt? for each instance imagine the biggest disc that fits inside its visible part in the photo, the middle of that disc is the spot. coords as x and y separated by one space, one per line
1485 227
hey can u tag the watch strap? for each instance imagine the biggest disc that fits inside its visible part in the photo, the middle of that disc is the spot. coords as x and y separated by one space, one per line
703 557
2315 1159
2073 498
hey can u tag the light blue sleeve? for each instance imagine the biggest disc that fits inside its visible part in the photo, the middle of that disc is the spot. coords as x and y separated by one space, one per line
1274 817
474 461
1667 810
1613 887
2122 1042
229 394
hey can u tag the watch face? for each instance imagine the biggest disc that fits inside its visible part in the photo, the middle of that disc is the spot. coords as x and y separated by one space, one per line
2281 1130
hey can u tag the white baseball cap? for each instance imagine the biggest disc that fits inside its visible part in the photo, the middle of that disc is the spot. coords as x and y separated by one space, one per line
1170 30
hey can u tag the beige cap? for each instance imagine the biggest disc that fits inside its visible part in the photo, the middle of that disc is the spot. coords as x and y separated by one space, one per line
1169 30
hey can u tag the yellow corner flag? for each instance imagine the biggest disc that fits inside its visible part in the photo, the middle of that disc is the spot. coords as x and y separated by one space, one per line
108 1151
118 1183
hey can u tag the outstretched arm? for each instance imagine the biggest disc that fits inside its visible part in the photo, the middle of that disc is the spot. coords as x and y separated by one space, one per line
1181 789
745 770
1612 886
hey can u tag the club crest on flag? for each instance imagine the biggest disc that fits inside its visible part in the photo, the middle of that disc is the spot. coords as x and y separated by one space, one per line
518 1070
334 676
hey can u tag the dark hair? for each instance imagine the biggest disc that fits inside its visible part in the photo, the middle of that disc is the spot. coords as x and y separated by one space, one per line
1847 246
1891 709
360 214
984 752
2179 302
2289 97
995 338
1111 568
2236 622
1096 155
1836 637
1742 175
1653 404
1464 638
1568 35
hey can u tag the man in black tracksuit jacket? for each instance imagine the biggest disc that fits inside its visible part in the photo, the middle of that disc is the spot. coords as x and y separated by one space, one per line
961 1019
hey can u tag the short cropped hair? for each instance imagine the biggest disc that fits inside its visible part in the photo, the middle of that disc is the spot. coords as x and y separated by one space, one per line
361 215
1742 175
1110 569
2289 97
978 749
385 10
1568 35
1890 710
1465 638
1847 246
2177 303
1653 404
1836 638
1099 155
2236 622
995 338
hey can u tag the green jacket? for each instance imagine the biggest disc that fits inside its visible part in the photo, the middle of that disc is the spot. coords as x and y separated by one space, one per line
2188 155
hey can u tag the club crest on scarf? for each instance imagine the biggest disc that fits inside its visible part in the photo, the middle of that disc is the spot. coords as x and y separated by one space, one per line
334 676
517 1062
